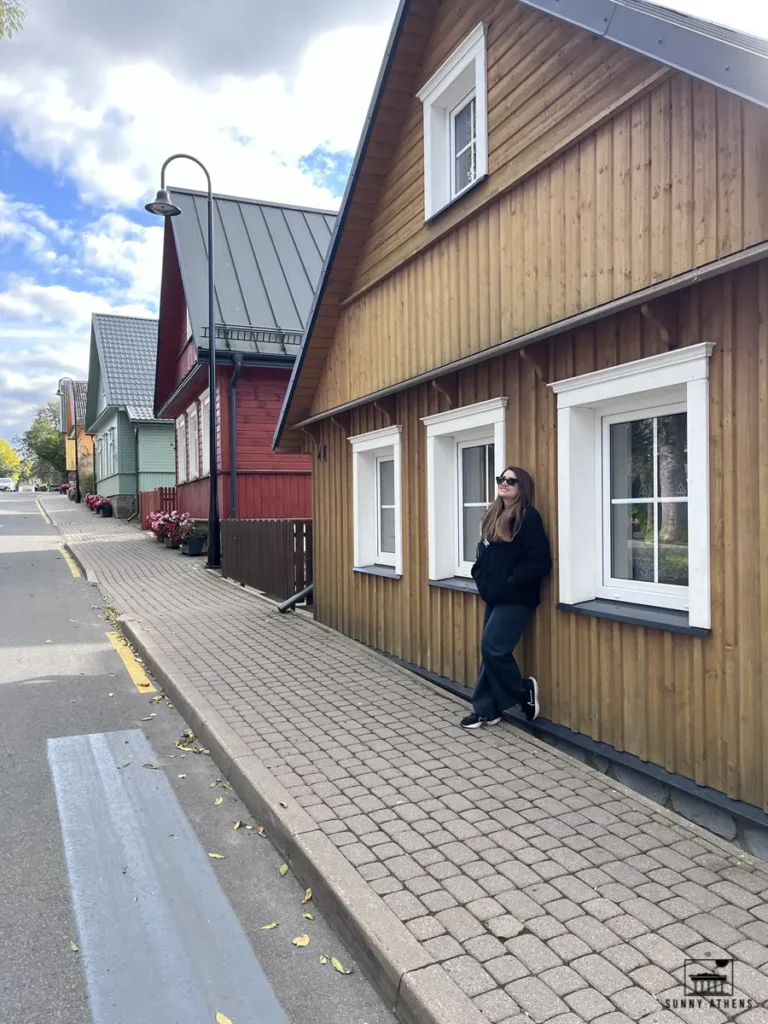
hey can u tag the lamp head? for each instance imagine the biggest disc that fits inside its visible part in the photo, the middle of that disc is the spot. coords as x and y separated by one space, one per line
162 205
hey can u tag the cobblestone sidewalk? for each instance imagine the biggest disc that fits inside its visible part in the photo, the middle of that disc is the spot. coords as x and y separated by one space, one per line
545 890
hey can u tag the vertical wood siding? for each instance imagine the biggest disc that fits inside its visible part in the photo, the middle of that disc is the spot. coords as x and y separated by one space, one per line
695 706
675 181
260 496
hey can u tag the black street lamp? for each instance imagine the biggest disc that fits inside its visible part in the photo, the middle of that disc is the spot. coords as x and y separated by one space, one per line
164 207
60 394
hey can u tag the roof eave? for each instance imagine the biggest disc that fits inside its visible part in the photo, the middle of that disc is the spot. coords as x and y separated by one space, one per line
338 230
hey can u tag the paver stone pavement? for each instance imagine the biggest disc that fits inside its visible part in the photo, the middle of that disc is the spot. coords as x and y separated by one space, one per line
544 889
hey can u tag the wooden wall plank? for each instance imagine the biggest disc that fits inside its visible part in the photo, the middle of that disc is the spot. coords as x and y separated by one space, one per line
696 706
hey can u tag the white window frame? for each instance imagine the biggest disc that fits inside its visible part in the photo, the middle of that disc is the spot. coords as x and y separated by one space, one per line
482 423
368 451
460 106
205 428
383 557
111 466
464 565
671 380
181 449
193 441
461 76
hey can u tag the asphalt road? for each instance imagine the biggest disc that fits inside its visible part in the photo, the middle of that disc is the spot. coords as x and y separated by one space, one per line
111 910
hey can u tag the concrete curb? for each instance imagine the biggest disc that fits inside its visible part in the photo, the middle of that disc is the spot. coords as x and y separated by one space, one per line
405 976
88 574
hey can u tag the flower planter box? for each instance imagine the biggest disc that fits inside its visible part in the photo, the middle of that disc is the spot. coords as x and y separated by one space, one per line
159 538
171 543
106 511
194 546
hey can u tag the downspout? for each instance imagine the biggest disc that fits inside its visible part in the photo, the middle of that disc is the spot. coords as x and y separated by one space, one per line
237 359
136 456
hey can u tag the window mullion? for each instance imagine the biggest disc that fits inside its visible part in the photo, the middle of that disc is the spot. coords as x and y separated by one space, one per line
656 506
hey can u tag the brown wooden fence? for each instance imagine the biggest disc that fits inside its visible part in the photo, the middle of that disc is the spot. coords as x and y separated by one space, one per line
163 499
271 555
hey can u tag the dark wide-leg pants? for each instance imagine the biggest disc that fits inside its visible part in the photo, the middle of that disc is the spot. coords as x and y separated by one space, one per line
500 684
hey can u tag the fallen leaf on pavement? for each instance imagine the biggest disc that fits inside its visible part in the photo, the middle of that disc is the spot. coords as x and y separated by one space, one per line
218 800
283 803
221 1019
260 830
125 869
237 825
307 897
323 959
181 776
154 767
309 917
215 783
150 717
216 856
49 641
74 946
110 695
339 966
283 870
301 940
269 927
127 763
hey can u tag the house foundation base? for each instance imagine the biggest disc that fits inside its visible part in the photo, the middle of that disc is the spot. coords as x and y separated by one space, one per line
124 505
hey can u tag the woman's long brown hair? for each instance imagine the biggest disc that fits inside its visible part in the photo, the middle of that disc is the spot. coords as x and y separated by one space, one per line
502 523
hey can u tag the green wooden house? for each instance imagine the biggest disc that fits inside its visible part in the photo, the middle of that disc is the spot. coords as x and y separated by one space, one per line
133 451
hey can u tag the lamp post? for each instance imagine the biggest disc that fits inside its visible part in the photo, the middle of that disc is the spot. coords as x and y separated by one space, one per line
164 207
60 394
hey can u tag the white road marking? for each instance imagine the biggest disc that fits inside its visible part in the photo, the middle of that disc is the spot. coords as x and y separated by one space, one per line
178 954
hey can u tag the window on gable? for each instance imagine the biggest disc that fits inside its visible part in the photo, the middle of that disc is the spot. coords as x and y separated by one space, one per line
465 453
633 461
376 497
455 124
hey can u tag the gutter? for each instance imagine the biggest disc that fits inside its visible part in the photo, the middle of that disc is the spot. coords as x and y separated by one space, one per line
237 360
341 220
655 291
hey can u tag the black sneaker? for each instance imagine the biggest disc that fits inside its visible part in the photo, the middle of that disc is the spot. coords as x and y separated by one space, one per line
474 721
530 705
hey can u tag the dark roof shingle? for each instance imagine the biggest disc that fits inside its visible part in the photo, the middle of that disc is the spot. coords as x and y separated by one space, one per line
127 348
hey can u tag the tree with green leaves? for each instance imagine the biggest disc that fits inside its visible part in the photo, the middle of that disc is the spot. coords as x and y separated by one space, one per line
9 459
43 444
11 17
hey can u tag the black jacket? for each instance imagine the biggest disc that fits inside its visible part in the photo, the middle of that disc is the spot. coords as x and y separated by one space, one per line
510 572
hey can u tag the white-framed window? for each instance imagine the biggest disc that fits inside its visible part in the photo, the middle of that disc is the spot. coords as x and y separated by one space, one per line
111 460
99 467
455 106
205 429
377 503
181 449
193 440
465 453
633 483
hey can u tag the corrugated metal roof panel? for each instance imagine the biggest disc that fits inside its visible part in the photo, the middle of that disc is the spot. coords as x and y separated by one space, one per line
127 348
267 261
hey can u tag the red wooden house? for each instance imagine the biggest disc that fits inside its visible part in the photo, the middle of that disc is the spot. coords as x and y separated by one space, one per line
268 260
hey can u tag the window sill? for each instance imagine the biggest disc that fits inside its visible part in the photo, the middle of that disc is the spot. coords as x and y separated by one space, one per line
378 570
637 615
455 199
468 586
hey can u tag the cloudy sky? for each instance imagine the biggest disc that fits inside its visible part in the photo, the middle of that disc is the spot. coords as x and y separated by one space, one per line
93 97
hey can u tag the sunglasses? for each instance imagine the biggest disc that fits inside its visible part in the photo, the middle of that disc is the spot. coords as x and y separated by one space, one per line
509 480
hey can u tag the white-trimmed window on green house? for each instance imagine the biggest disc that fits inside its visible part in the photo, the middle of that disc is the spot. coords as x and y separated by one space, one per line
193 441
377 503
111 453
465 454
205 431
455 112
181 449
633 484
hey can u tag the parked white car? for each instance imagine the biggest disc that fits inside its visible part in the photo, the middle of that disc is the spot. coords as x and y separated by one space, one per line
6 484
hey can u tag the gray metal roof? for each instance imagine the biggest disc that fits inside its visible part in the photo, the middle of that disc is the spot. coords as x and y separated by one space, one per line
81 393
267 262
724 57
127 350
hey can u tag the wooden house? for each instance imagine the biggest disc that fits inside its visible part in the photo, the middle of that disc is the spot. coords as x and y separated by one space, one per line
267 264
553 252
78 443
134 449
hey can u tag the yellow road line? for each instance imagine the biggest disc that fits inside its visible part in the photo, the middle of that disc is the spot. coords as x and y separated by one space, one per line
45 515
135 671
74 568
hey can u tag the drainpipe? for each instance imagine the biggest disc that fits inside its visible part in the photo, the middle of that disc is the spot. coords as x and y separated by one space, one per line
237 359
138 499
